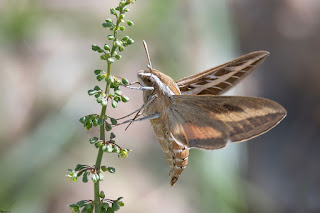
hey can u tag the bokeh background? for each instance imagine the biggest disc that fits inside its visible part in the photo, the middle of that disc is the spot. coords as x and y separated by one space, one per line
46 68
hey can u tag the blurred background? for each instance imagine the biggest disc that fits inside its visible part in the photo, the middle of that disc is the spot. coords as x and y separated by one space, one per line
46 69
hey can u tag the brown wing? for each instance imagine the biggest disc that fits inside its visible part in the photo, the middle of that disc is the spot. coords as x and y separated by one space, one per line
219 79
208 122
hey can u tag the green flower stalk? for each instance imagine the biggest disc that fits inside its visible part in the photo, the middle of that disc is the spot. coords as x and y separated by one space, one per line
112 95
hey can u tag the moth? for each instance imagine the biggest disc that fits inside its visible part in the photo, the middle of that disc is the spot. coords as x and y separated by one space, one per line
190 113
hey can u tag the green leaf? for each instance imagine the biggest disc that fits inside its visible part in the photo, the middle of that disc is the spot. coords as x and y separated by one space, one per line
88 124
113 121
120 203
97 88
125 81
95 47
115 206
108 20
108 127
103 57
93 140
111 170
80 166
83 119
107 24
104 168
112 135
100 121
110 210
85 177
91 92
81 203
101 77
97 72
95 122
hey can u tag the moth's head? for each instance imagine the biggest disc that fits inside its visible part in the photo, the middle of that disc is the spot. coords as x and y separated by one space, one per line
147 78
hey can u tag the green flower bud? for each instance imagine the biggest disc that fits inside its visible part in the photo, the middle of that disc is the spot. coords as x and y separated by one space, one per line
121 48
113 11
106 47
122 28
124 99
130 23
104 102
103 57
110 60
100 176
114 104
94 178
110 37
101 194
118 57
98 144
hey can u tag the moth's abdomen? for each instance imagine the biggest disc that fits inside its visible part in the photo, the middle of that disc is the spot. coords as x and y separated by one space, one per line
176 154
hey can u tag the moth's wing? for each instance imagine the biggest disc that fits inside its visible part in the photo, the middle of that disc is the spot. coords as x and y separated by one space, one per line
219 79
208 122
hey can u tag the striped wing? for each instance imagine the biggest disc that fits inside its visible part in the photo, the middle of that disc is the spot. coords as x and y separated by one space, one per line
219 79
208 122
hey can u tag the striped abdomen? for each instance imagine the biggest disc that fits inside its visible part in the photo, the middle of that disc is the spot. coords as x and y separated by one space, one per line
177 155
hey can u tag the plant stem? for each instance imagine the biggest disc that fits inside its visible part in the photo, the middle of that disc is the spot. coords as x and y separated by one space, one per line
100 152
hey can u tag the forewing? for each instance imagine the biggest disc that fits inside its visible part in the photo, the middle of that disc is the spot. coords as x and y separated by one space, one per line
219 79
207 122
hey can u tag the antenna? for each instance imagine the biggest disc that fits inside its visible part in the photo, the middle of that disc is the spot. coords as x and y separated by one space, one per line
148 56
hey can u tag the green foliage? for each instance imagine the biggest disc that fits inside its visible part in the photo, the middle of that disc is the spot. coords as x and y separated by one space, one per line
113 95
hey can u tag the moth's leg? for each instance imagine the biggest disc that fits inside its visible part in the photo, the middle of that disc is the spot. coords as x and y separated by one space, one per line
150 117
138 111
143 106
140 88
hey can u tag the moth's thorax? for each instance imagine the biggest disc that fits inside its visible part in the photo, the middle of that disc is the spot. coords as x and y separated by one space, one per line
164 87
